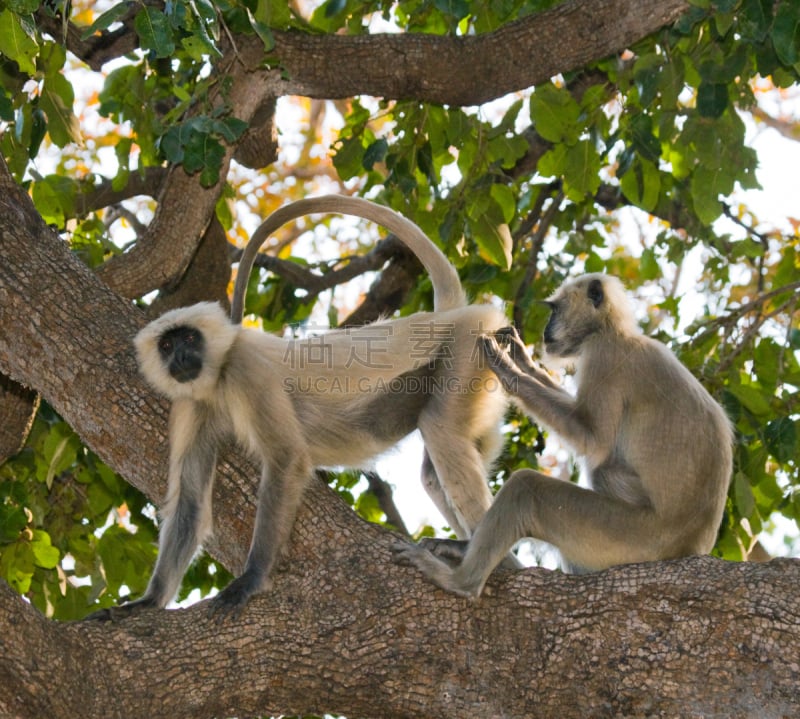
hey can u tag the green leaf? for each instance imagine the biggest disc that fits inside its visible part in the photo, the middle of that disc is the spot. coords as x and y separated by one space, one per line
706 186
552 163
348 159
6 106
641 184
59 461
594 263
644 141
712 99
224 212
273 14
505 199
16 44
493 239
555 113
743 494
54 197
106 19
751 399
56 102
17 566
45 555
376 152
154 31
581 170
230 129
786 32
262 30
781 439
649 268
38 131
507 149
647 75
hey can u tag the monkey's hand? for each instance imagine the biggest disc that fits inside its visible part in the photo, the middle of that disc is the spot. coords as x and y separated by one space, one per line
501 363
509 339
513 364
121 611
230 602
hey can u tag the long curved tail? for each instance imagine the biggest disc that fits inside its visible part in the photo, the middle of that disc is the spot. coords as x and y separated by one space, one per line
447 291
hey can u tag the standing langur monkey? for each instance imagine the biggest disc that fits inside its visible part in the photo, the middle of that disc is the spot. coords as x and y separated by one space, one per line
339 399
657 449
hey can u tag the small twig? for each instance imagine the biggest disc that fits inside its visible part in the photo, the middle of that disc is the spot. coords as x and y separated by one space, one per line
384 494
537 242
313 282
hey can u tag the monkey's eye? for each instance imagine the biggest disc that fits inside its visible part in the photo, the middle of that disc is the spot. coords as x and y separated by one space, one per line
190 338
165 345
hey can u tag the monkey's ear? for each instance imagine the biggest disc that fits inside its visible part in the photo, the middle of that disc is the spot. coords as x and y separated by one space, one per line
595 292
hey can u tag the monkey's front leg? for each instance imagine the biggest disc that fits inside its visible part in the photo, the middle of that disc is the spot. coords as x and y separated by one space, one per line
185 521
279 495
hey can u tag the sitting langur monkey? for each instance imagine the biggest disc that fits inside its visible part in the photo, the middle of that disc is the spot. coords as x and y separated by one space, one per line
657 449
338 399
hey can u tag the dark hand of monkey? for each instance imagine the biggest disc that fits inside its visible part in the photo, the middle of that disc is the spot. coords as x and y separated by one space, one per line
230 602
506 335
451 550
502 365
509 339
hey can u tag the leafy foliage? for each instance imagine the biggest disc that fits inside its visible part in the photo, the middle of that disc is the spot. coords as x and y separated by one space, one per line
520 194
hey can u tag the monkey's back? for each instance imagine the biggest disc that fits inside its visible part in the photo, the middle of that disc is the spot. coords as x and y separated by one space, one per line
673 435
356 392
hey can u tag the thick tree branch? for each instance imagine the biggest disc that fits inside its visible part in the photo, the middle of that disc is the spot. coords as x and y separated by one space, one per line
206 278
473 69
349 632
95 197
466 70
160 257
18 407
95 51
511 58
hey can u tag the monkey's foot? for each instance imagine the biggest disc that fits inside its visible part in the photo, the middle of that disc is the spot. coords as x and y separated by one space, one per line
121 611
450 550
435 570
231 601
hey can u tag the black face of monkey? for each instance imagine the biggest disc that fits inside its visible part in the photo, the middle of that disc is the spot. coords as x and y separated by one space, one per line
549 330
575 315
182 350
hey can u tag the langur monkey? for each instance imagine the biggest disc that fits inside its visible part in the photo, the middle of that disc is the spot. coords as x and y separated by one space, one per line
338 399
656 447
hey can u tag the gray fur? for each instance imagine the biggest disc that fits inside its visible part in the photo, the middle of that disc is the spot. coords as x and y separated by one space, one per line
657 448
318 402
